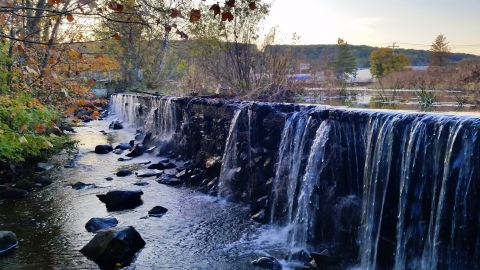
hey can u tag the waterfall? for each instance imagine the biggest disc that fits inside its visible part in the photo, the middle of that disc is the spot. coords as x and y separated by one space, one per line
229 161
304 219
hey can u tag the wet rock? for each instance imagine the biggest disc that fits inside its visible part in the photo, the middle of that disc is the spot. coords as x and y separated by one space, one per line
157 211
29 223
170 172
109 178
118 151
136 151
267 262
96 224
81 185
13 193
170 181
43 166
150 150
147 173
115 125
111 247
24 184
124 146
124 159
121 199
182 175
44 181
169 165
301 256
8 240
124 173
103 149
157 166
260 217
141 184
324 260
165 160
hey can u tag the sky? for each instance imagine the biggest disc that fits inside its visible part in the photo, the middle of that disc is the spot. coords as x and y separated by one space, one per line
410 23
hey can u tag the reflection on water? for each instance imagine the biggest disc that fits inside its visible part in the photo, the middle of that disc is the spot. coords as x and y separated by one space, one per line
396 99
197 232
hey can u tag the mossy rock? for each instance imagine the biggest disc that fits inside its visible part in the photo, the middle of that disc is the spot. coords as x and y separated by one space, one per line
24 184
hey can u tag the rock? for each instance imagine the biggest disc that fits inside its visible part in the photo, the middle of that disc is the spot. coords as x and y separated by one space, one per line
267 262
324 259
13 193
124 159
157 211
80 185
165 160
141 184
170 181
147 139
169 165
115 125
301 256
147 173
8 240
182 175
150 150
96 224
111 247
24 184
44 181
29 223
136 151
124 146
124 173
121 199
43 166
158 166
170 172
109 178
103 149
118 151
260 217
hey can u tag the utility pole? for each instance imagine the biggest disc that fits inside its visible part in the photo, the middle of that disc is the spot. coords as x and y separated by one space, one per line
393 47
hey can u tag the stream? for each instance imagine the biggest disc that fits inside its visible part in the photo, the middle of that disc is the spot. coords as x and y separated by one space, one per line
197 232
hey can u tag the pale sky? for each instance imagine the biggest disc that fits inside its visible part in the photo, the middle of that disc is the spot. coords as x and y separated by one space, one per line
410 23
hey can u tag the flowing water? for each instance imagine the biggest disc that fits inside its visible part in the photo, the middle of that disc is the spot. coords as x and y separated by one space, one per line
197 232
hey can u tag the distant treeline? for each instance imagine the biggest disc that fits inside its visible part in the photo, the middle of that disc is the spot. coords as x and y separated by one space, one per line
313 53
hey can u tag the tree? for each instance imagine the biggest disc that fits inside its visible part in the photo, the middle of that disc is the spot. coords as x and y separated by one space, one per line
383 61
439 51
344 62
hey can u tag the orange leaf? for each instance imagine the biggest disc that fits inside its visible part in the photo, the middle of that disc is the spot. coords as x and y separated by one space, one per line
51 2
216 9
174 25
115 6
230 3
227 16
20 49
195 15
2 18
116 36
81 102
91 81
72 53
40 128
75 119
51 60
252 5
70 17
71 109
95 114
23 128
182 34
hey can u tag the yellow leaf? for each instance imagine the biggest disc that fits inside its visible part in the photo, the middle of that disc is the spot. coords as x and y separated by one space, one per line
53 135
47 144
71 109
23 139
73 53
23 128
2 131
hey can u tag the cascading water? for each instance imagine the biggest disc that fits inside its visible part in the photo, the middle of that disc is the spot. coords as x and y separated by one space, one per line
229 161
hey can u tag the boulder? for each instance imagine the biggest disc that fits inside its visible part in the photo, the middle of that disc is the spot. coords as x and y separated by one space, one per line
112 247
169 165
43 166
124 173
121 199
12 193
103 149
44 181
157 211
81 185
136 151
115 125
24 184
124 146
324 259
8 240
158 166
96 224
147 173
267 262
169 181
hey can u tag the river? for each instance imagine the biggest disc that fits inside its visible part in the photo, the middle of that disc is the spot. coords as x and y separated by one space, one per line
197 232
